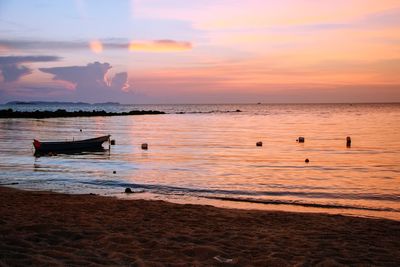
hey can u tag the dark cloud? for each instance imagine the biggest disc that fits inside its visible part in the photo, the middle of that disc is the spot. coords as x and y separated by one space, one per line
37 44
79 45
91 81
90 75
11 68
27 59
12 72
119 81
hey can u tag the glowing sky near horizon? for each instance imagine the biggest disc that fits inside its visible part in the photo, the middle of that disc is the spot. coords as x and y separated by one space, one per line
176 51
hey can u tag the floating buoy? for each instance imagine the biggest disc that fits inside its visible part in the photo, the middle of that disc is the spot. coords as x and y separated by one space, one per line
114 172
307 161
112 142
300 139
259 143
145 146
128 190
348 141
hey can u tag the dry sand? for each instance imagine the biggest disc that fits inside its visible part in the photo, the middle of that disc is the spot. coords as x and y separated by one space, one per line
48 229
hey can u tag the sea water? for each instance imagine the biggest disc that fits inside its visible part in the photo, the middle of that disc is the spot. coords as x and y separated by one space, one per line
207 154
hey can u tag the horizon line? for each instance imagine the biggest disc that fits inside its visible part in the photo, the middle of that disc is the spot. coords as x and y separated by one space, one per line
215 103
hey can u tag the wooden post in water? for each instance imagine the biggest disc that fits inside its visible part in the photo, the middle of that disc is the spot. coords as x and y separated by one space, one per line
348 141
109 145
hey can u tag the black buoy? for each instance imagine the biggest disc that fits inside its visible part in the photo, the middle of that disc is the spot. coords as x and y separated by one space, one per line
307 161
348 141
114 172
145 146
80 130
259 143
128 190
300 139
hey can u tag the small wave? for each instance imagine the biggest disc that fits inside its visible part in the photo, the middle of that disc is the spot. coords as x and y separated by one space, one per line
255 197
166 189
303 204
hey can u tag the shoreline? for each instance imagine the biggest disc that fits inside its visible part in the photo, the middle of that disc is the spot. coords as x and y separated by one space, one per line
46 228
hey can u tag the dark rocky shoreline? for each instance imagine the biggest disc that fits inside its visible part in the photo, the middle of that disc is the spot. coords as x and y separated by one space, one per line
9 113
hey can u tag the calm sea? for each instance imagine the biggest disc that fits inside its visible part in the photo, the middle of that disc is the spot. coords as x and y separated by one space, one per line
207 154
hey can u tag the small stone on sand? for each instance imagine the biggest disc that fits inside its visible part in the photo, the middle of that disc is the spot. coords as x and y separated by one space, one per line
128 190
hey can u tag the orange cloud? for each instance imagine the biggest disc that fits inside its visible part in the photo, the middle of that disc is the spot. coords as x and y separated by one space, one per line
96 46
160 46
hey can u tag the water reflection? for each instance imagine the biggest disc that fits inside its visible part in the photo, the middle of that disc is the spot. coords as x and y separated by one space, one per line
77 152
215 155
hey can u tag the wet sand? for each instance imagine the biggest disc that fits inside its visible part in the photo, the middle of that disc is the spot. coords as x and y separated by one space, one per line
49 229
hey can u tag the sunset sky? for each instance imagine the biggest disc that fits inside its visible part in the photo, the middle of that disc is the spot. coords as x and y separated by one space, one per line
209 51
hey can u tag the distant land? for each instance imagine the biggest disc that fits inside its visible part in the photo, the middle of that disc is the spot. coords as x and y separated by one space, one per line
57 103
9 113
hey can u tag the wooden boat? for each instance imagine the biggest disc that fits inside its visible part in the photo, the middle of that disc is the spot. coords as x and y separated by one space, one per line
79 145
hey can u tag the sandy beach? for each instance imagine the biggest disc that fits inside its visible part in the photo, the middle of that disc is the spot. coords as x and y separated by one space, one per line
49 229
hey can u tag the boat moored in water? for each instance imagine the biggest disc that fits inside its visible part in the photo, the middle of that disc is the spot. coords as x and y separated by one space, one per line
67 146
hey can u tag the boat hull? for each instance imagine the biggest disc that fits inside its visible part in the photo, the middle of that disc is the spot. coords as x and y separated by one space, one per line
79 145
